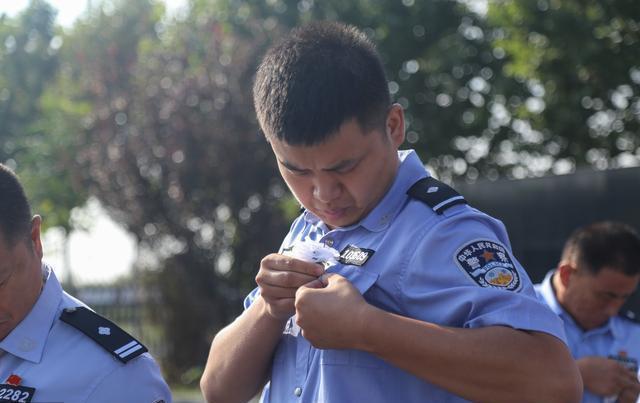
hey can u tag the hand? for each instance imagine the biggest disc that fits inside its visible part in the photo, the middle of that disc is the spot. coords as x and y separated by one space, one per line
279 278
330 311
629 394
605 377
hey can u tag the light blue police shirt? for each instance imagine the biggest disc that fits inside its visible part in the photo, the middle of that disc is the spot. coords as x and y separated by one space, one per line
618 337
435 268
65 365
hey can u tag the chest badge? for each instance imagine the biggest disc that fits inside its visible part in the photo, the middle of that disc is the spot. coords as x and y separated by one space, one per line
488 264
355 256
12 391
623 358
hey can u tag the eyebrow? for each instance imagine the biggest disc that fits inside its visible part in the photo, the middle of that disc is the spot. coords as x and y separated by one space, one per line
615 295
338 166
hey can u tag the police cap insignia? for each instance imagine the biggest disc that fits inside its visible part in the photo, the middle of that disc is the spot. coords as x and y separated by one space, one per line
488 264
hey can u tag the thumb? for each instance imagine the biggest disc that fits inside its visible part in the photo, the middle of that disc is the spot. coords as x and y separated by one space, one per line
329 278
315 283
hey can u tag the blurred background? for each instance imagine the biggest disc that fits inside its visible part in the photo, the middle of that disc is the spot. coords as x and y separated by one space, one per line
131 125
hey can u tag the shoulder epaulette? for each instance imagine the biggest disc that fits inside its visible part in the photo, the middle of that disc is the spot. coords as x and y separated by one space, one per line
630 315
435 194
107 334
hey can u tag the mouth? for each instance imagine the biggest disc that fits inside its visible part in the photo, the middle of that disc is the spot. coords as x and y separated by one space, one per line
334 213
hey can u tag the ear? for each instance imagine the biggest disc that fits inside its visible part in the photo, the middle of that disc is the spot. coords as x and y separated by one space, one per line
36 223
565 271
395 125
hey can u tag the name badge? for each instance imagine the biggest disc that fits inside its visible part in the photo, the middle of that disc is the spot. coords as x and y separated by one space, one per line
628 362
355 256
16 394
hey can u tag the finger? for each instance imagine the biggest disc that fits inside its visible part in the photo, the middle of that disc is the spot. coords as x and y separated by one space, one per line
277 292
288 263
329 278
315 283
287 279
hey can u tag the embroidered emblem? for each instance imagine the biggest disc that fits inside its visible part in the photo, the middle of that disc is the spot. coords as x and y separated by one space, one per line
105 331
355 256
14 380
488 264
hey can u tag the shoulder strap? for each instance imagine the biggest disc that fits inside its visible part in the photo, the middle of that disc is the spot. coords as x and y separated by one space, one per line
630 315
107 334
435 194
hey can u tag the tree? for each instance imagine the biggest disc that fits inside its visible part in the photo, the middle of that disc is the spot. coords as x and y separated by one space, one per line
579 62
28 62
170 147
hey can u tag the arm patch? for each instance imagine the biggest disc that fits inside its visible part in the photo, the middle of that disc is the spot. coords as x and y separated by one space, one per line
107 334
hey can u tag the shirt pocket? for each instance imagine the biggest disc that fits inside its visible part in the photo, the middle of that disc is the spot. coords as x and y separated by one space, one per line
362 280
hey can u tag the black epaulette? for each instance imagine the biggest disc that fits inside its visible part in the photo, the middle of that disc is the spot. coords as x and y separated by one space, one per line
107 334
435 194
630 315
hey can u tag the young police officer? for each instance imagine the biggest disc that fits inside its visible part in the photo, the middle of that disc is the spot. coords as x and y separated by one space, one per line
426 303
598 271
52 348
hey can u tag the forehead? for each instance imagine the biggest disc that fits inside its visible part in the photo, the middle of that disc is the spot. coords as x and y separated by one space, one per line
608 279
350 141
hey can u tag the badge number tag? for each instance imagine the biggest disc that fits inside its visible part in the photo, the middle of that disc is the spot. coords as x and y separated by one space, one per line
628 362
16 394
353 255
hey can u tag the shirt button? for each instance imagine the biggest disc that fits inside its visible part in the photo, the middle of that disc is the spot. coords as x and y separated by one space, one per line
328 242
297 391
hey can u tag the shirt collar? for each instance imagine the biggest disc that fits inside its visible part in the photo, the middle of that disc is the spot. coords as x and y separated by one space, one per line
410 171
28 339
547 292
549 295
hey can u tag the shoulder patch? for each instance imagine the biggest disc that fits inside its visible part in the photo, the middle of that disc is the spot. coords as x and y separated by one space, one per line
435 194
488 264
107 334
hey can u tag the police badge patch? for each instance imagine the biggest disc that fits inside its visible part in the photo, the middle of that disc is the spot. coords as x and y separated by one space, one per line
488 264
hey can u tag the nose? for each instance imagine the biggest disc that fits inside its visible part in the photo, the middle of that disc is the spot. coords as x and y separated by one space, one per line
326 188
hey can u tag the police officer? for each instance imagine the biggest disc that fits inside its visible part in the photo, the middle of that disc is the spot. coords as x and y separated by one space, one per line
599 269
425 303
52 348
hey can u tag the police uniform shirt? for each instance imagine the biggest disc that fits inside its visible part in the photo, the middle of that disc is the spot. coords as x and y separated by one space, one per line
65 365
619 338
453 269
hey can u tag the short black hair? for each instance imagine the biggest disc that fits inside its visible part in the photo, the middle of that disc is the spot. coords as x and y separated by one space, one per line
606 244
320 76
15 211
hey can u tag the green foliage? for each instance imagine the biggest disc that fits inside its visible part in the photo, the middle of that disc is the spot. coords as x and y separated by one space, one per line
34 138
580 59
